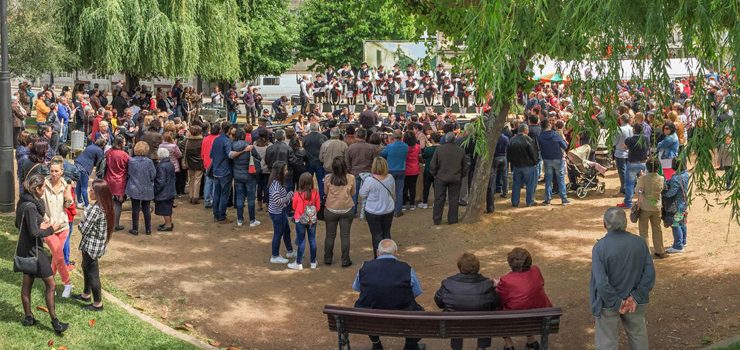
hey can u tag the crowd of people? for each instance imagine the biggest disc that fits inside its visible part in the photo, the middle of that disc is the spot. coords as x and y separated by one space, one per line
151 147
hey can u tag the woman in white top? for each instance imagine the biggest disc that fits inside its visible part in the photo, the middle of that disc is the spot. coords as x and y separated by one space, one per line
339 187
57 197
379 192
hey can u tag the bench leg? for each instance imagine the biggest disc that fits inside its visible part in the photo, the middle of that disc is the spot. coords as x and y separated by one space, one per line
544 341
342 336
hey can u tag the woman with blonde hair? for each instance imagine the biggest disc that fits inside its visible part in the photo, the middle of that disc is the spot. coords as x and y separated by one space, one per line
57 197
379 192
140 187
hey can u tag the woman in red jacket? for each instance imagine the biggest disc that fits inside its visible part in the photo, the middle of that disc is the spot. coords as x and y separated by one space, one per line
522 288
305 205
412 170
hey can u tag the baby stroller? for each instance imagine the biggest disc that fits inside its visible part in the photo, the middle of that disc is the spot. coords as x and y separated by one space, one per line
584 174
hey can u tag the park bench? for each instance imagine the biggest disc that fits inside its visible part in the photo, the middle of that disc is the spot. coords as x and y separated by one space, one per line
425 325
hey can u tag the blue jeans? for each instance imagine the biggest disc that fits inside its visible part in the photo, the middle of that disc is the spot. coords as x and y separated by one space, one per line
399 177
248 190
300 236
221 193
66 244
630 181
320 173
523 176
621 170
232 117
281 230
356 196
81 188
679 235
553 169
501 171
208 191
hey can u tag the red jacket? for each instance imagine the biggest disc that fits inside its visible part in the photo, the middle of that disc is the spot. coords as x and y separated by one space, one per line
205 150
523 290
300 202
412 160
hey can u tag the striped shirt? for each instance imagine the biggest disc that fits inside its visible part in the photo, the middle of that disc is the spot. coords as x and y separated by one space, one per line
279 198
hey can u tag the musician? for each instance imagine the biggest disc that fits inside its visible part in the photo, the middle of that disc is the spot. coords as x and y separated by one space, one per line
346 75
364 71
335 92
303 94
462 94
411 72
380 85
330 73
429 91
365 86
395 70
350 92
412 89
392 87
440 75
448 91
319 92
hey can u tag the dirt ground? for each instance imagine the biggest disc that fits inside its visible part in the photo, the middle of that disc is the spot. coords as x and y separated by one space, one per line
219 279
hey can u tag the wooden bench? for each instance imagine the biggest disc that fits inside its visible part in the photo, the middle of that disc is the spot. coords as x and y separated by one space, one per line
423 324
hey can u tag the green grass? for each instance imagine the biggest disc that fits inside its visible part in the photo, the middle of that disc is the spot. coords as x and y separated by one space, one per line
735 346
113 329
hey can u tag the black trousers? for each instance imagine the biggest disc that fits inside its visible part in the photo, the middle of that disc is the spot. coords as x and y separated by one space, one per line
144 207
457 343
91 272
303 101
344 221
447 100
442 190
428 182
181 179
409 189
380 228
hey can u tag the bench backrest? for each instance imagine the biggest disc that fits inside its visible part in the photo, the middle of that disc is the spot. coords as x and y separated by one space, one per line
424 324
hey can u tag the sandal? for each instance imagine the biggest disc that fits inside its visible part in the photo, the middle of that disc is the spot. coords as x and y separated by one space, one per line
81 298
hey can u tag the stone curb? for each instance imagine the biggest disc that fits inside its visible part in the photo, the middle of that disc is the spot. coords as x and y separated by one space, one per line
724 343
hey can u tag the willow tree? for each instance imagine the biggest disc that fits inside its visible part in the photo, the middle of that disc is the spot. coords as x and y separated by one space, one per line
504 38
151 38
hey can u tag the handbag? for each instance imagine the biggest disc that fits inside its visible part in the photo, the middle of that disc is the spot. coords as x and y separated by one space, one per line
28 265
635 213
252 169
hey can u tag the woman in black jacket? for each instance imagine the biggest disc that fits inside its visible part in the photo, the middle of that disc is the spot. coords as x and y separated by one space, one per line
32 230
467 291
245 177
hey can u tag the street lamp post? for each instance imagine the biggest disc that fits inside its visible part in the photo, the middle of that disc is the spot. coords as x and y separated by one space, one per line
7 185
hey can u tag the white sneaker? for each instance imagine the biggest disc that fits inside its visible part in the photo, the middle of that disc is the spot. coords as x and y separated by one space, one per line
314 266
80 206
291 254
421 205
295 266
279 260
412 207
672 250
67 291
254 223
239 223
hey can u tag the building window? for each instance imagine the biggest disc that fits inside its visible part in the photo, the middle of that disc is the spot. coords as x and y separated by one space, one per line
270 81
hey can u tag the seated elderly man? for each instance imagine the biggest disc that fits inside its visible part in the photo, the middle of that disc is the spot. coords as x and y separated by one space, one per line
467 291
388 284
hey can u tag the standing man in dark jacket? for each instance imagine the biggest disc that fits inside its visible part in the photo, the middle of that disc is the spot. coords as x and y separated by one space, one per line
499 172
312 145
359 157
222 173
245 177
386 283
280 151
449 165
638 148
522 155
369 119
467 291
191 154
534 132
552 146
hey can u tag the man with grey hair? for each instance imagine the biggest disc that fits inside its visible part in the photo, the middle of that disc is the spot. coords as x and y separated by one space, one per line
449 166
388 284
280 151
622 276
331 149
522 155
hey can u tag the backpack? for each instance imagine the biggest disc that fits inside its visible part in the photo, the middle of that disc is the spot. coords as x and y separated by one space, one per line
309 216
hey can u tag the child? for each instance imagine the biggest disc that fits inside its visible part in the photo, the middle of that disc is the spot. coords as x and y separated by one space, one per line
278 210
522 288
305 205
71 175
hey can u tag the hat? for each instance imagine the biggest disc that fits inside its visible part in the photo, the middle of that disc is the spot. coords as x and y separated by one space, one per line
265 111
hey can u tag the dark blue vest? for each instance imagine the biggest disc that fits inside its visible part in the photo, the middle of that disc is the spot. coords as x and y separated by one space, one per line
386 284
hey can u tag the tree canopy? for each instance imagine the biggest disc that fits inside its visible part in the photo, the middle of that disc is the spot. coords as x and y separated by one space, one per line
35 46
332 31
503 38
270 39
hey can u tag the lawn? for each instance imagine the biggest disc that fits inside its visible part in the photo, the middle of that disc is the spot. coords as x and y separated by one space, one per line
111 329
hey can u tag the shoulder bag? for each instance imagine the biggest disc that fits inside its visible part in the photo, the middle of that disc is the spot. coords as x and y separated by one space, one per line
27 265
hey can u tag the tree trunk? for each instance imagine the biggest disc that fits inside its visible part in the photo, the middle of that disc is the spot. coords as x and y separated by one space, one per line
132 82
477 194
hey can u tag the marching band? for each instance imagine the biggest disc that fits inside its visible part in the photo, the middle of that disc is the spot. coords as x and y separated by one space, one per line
379 87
